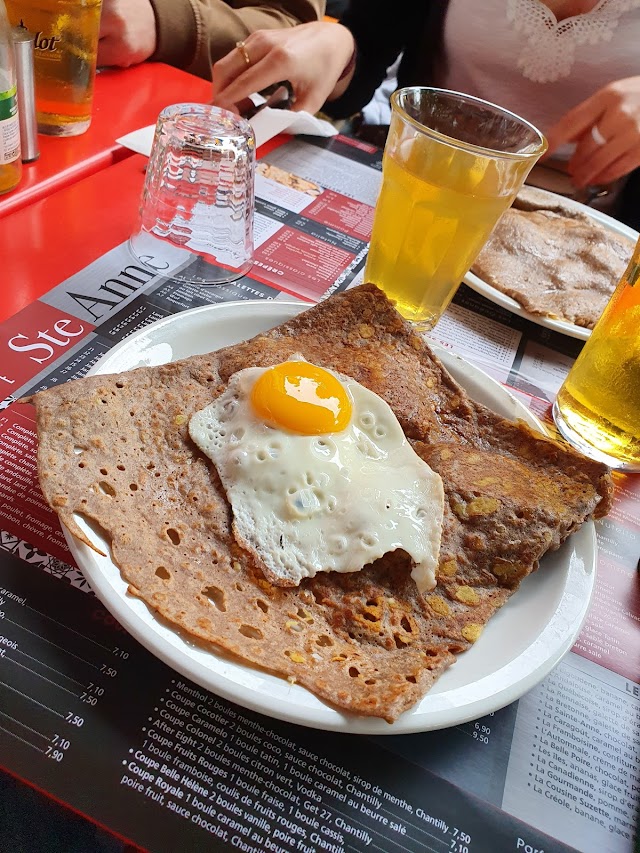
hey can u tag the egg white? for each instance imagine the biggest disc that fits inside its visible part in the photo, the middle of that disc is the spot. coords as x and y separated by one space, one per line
305 504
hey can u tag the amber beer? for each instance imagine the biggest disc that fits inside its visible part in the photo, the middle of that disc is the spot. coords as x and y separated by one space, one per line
65 50
598 406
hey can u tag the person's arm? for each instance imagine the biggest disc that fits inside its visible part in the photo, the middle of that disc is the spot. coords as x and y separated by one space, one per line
606 128
381 30
337 65
191 34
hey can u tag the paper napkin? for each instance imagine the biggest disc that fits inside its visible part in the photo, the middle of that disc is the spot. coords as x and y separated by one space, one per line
266 124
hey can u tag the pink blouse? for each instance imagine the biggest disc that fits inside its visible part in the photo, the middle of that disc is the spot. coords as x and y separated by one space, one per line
516 54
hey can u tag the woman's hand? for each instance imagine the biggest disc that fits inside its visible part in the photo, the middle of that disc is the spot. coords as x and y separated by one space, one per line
606 128
127 32
310 56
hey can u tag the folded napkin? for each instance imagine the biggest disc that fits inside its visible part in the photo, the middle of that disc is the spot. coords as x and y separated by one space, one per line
266 124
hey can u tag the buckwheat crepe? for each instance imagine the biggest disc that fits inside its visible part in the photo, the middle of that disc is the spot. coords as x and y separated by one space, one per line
553 259
116 451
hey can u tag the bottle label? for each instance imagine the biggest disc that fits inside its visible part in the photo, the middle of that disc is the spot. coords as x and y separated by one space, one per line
9 127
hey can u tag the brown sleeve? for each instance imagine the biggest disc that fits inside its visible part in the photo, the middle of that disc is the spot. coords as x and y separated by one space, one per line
192 34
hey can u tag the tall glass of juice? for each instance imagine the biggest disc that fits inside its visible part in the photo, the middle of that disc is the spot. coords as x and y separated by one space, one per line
452 164
598 406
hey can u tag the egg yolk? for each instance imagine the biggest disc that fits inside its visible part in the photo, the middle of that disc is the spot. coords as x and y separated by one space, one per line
300 397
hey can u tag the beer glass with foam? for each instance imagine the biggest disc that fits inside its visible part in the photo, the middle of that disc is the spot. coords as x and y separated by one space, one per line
65 51
597 409
452 164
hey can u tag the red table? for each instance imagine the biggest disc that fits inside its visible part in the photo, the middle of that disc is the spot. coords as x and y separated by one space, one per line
51 239
56 236
124 100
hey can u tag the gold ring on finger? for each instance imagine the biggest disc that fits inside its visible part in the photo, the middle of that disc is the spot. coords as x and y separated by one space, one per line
245 53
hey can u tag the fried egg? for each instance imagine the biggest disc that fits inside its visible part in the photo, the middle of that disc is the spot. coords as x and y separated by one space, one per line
319 474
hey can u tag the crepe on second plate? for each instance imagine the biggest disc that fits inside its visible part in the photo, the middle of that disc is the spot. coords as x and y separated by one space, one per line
553 259
116 451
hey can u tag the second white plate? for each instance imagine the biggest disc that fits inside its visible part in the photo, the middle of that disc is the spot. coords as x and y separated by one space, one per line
563 326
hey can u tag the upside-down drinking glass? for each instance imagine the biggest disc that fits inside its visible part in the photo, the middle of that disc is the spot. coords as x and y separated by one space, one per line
198 197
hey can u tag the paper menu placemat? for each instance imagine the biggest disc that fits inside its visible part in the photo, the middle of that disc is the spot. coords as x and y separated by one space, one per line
266 124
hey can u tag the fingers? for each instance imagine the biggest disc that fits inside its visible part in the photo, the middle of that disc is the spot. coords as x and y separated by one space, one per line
127 32
606 128
110 24
111 33
602 161
229 67
265 72
619 168
110 52
586 148
309 56
577 121
592 160
234 80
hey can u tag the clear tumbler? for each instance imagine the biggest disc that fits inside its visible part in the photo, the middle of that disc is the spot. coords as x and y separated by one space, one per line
198 195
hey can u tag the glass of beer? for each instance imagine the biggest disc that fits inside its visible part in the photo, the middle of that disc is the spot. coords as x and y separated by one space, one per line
597 409
452 164
65 51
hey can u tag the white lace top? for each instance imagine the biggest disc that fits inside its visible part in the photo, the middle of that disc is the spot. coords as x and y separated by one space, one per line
515 53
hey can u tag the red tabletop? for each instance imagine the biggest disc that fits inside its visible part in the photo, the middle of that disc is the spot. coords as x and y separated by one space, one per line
124 100
51 239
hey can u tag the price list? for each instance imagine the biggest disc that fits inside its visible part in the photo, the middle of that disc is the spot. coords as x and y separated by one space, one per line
473 756
578 735
91 717
63 670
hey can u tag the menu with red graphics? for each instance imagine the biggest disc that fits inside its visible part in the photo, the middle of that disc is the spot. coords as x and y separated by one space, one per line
91 717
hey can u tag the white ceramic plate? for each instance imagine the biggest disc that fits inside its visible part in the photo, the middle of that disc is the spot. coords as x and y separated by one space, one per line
520 645
562 326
